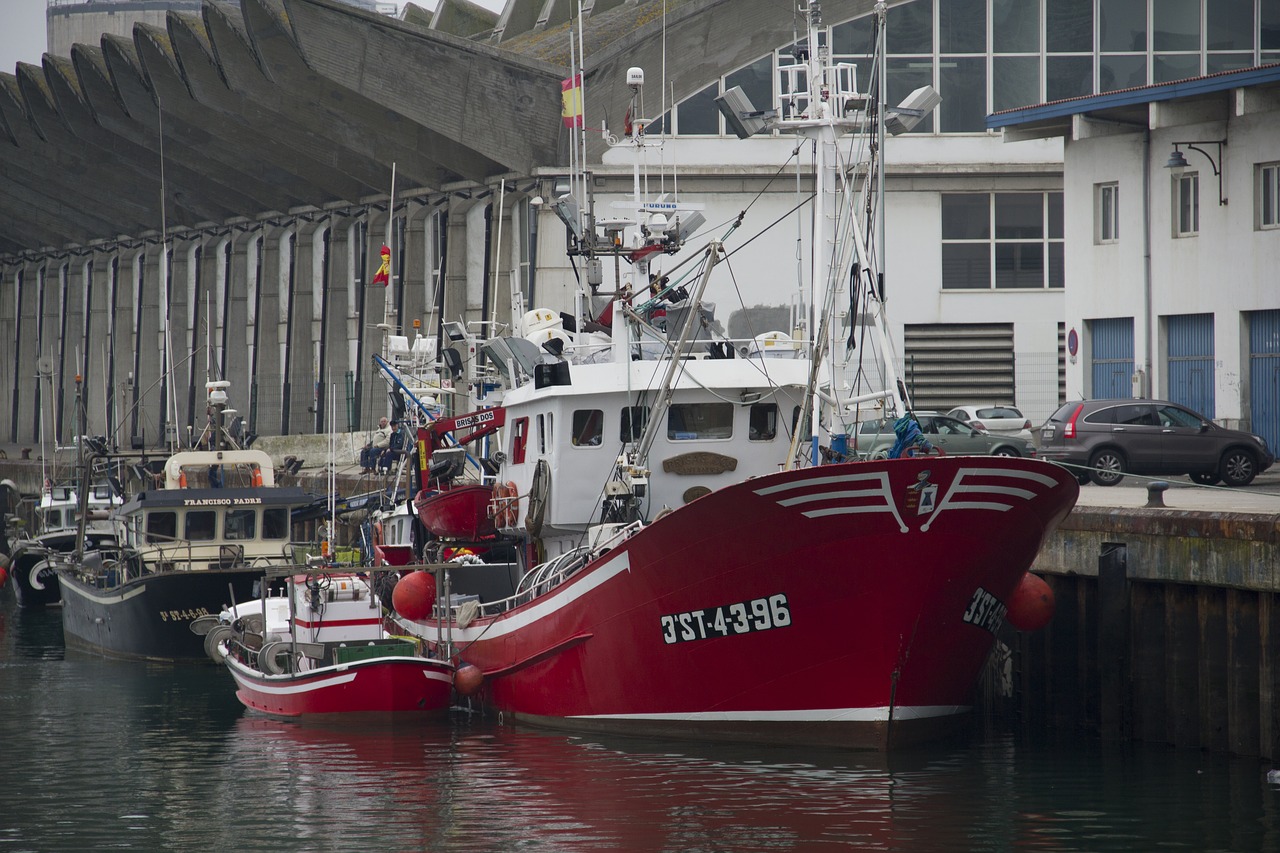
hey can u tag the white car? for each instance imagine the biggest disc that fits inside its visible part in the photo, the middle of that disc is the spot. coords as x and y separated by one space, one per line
997 420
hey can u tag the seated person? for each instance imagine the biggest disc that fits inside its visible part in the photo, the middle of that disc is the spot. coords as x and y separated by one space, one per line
378 442
397 446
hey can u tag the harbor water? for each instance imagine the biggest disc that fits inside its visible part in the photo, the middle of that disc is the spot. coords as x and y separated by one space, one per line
105 755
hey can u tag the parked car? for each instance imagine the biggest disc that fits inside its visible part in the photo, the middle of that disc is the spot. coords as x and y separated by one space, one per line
876 437
1117 437
1002 420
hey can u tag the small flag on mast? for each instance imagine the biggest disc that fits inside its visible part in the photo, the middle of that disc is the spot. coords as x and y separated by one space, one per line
383 275
571 99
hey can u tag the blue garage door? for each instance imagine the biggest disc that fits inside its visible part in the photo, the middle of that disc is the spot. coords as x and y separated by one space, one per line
1190 362
1111 353
1264 375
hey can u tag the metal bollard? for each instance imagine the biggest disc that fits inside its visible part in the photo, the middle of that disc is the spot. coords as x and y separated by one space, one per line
1155 493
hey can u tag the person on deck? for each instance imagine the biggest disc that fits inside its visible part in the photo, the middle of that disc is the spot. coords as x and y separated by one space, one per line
379 441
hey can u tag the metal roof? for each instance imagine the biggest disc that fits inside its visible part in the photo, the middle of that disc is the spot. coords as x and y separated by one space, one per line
1130 104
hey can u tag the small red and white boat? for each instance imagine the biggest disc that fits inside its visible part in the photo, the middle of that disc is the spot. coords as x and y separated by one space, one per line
320 649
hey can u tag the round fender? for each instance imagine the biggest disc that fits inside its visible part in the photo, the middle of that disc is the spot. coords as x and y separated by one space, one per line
214 639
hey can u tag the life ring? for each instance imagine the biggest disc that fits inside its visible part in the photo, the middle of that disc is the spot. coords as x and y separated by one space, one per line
377 533
255 476
539 491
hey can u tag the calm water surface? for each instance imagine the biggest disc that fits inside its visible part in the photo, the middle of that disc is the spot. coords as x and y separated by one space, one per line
102 755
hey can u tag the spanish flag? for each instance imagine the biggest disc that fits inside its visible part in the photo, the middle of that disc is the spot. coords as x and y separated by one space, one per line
383 275
571 99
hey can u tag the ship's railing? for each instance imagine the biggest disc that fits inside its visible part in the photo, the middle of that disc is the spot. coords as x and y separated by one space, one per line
545 577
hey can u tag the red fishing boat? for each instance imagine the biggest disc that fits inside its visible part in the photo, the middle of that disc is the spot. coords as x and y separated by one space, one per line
718 563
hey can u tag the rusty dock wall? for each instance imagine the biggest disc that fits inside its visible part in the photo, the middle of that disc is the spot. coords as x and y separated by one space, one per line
1167 630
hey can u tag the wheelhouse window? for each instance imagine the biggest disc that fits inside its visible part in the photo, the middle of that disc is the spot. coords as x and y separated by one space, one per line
762 423
1269 195
1107 213
699 421
519 440
544 433
275 523
162 526
1186 205
634 420
588 427
240 524
200 525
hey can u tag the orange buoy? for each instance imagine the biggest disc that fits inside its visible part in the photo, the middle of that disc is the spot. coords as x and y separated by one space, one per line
414 596
1031 605
468 679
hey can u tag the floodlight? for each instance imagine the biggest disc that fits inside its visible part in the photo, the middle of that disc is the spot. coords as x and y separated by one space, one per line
914 107
740 114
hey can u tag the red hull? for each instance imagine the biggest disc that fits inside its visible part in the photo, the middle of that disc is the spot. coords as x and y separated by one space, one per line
391 685
848 605
461 512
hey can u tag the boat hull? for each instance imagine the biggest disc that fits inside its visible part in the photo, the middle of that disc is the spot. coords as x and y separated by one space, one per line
845 605
390 685
35 580
148 618
460 512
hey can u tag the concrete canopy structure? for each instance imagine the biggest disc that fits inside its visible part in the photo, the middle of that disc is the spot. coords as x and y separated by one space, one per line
263 107
210 192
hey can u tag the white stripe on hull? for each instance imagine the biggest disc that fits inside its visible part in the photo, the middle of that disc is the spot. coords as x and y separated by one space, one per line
815 715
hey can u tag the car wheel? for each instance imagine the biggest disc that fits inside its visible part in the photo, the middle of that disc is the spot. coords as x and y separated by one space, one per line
1108 467
1238 468
1005 451
1205 479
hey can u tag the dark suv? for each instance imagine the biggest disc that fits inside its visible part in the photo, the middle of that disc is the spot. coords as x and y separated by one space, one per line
1118 437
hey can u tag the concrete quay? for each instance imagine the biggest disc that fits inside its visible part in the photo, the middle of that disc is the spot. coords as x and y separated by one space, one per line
1167 624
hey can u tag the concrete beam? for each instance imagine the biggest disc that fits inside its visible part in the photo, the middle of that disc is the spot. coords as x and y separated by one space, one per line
312 101
67 173
268 181
457 17
194 53
479 98
37 91
310 179
1086 127
518 17
215 201
108 110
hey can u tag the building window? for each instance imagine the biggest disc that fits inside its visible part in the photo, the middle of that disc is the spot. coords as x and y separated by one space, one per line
1269 195
1002 240
1107 213
1186 205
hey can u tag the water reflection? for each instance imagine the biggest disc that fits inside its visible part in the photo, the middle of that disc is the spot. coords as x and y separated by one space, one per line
110 754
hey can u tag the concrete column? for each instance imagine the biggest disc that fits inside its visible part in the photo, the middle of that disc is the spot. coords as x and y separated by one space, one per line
239 257
147 347
94 357
355 270
273 337
340 366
